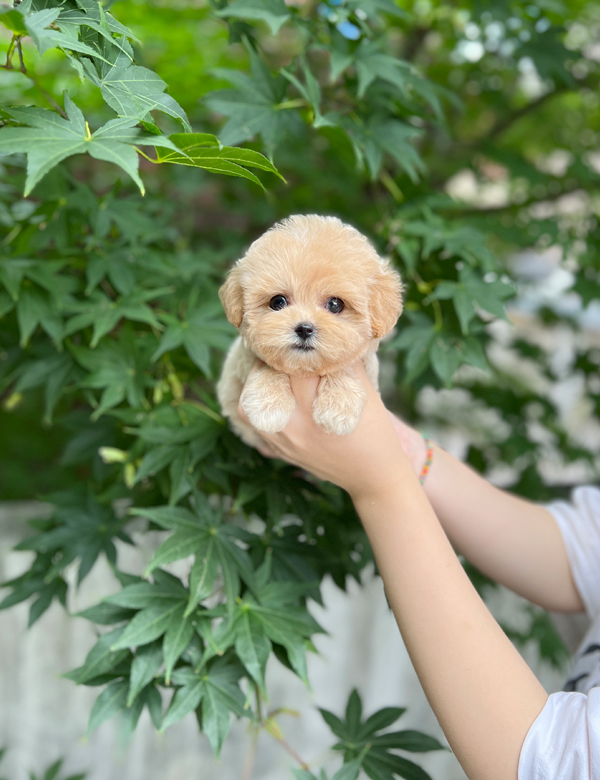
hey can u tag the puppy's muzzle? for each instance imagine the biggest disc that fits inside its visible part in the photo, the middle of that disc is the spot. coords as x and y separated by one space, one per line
305 331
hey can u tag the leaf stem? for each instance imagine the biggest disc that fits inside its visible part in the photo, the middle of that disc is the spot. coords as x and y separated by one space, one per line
289 749
250 758
10 52
258 705
391 186
202 407
16 44
437 313
275 732
21 60
145 156
296 103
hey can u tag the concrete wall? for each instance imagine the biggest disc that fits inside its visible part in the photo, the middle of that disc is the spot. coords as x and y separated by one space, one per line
44 717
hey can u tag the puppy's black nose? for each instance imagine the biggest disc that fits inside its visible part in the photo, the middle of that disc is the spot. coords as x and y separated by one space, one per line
304 330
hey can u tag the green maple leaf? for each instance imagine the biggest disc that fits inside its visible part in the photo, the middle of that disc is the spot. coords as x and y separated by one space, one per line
216 691
311 92
341 56
196 334
471 291
415 339
381 136
44 273
440 235
147 625
202 150
101 659
202 533
34 306
256 107
81 530
37 25
272 614
165 426
274 12
112 700
160 613
140 595
361 742
371 63
117 368
13 20
52 372
49 139
133 91
105 314
91 14
147 661
117 266
374 7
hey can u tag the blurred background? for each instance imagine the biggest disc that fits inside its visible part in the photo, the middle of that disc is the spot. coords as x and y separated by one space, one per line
463 139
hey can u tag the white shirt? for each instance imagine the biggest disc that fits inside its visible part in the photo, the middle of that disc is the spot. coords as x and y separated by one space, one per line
564 741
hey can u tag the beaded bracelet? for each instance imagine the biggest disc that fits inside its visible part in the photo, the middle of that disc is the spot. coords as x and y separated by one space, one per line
428 460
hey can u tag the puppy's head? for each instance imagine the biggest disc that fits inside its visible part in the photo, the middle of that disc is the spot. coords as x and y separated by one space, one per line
311 294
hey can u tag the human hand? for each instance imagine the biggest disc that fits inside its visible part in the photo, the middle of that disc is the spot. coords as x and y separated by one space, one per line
411 441
365 463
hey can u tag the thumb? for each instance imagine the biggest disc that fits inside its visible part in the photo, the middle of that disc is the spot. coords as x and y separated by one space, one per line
305 391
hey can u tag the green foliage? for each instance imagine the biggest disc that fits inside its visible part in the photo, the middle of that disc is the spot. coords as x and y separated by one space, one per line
543 632
364 748
51 773
111 332
99 49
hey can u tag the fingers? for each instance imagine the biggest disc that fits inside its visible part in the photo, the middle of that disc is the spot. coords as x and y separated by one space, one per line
361 373
303 388
265 450
305 391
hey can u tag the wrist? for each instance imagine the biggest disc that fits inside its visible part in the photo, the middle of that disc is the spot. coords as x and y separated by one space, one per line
383 486
415 446
428 460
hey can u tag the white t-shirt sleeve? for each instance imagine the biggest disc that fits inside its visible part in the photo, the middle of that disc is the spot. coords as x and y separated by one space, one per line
564 741
579 524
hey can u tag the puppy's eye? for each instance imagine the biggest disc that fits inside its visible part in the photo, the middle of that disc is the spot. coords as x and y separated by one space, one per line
278 302
335 305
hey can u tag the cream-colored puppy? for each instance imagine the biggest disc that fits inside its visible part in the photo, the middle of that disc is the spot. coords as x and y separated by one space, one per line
310 297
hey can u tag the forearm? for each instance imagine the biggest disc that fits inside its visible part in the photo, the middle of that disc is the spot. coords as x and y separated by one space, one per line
511 540
482 692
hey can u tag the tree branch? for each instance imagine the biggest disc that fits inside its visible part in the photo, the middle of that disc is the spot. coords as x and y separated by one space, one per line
15 44
414 43
504 125
21 60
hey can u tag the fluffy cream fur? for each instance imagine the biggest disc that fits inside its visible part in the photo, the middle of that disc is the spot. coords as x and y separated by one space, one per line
308 260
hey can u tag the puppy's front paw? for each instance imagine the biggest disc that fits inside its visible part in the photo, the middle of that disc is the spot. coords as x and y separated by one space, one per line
339 404
267 400
267 418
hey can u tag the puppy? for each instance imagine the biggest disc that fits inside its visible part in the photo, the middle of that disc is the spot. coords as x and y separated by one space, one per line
310 298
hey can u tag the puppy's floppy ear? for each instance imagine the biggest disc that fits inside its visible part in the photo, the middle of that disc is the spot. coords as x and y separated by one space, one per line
232 297
385 304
